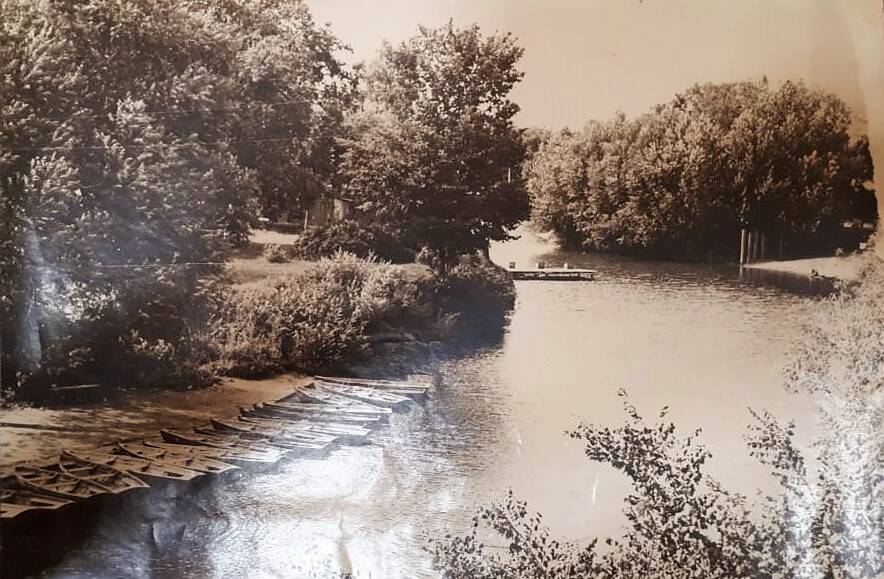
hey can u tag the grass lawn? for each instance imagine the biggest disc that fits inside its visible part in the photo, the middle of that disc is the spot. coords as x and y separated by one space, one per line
249 266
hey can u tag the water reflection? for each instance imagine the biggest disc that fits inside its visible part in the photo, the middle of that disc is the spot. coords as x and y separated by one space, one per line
696 337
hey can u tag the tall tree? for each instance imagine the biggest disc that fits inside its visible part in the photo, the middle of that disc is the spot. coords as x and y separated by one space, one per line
136 140
435 154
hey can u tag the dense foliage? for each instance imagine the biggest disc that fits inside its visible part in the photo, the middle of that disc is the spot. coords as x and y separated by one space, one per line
306 321
353 237
137 138
683 179
827 521
430 154
479 293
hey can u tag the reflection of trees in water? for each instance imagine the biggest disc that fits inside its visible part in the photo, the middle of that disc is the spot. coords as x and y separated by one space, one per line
826 521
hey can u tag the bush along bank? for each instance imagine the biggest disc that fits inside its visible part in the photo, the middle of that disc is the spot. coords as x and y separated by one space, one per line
345 307
341 309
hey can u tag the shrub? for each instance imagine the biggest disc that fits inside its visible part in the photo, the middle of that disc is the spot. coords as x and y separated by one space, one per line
351 237
825 522
306 321
149 336
480 292
275 253
681 523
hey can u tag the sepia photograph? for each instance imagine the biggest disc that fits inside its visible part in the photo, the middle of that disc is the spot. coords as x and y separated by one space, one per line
441 289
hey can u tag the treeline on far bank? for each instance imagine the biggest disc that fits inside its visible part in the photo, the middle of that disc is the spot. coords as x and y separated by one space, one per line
682 180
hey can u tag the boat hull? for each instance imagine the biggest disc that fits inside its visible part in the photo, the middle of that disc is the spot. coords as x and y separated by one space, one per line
183 459
269 432
16 502
58 484
231 451
413 391
366 395
154 470
329 412
118 481
345 433
292 447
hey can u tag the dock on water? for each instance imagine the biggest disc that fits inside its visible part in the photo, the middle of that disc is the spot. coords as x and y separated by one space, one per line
543 273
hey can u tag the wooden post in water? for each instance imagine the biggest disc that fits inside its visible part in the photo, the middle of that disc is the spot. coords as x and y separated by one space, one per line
743 242
756 246
750 247
764 246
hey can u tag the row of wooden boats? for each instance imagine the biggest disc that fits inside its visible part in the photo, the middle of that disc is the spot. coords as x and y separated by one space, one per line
307 423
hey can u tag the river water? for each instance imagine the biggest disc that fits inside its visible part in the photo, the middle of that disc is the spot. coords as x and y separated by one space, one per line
694 337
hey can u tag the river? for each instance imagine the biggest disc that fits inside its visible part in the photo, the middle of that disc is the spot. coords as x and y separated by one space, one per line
694 337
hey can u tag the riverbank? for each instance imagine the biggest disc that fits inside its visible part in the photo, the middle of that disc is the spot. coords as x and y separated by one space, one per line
261 317
496 421
35 432
845 268
411 336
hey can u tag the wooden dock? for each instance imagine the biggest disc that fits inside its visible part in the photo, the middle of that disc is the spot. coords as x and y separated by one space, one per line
554 274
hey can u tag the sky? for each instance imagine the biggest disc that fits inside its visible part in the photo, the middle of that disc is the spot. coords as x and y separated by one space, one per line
587 59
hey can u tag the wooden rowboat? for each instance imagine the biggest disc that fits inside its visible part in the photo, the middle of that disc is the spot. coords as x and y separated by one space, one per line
239 456
118 481
266 431
300 447
345 433
409 389
261 412
313 412
14 502
368 395
332 409
285 442
378 382
155 469
58 484
181 459
255 449
319 395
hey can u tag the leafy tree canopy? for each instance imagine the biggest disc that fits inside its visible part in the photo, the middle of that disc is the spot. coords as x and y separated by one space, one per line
432 153
136 137
683 179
